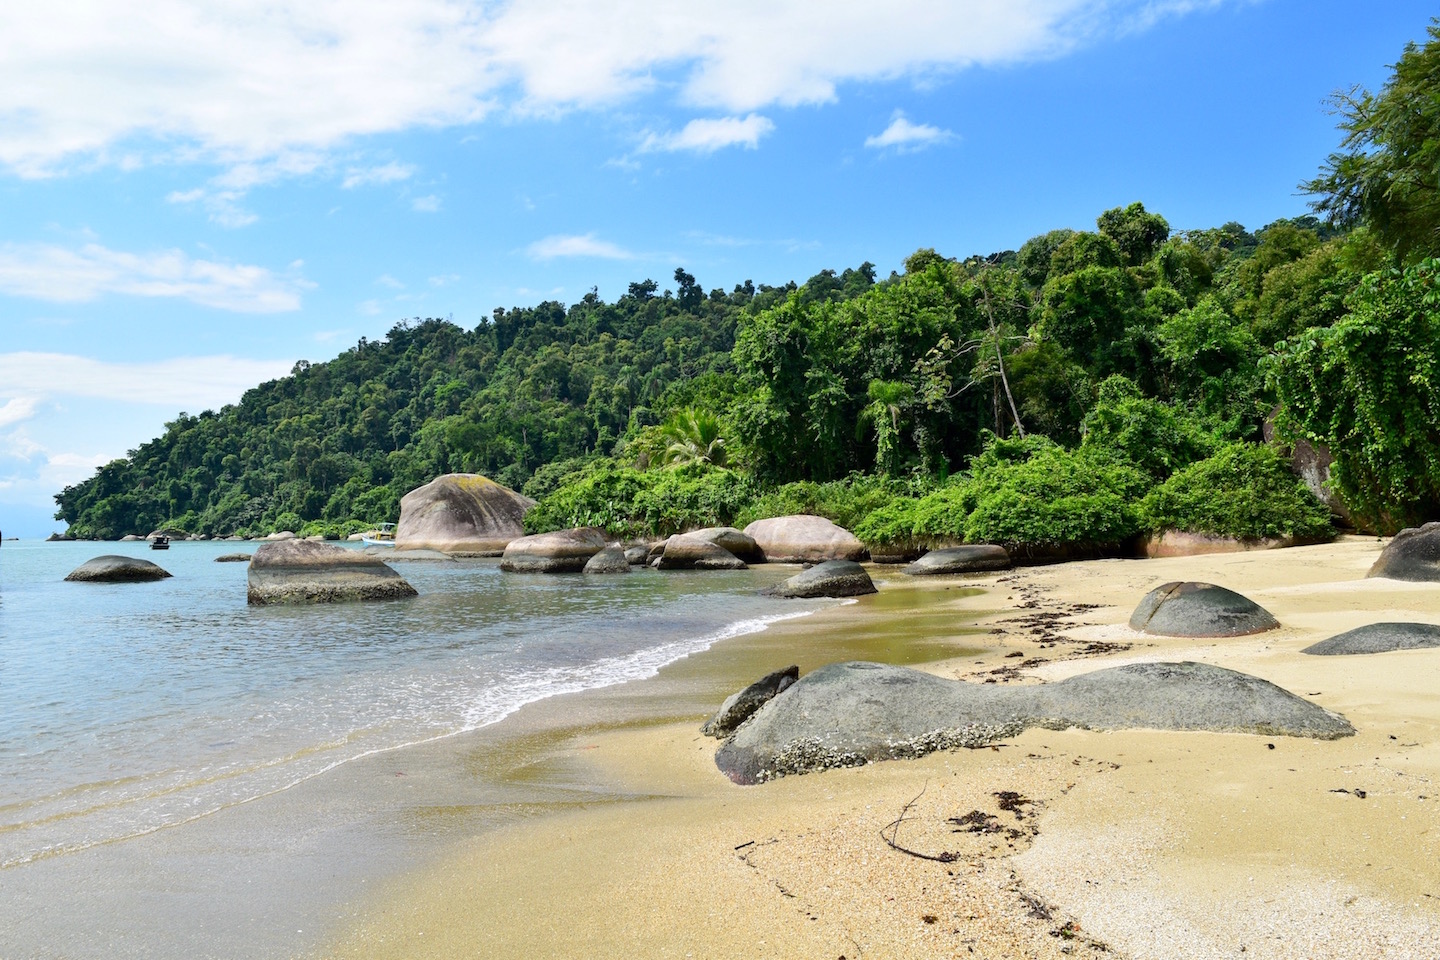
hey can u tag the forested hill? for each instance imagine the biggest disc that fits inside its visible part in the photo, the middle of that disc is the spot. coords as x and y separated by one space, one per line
345 439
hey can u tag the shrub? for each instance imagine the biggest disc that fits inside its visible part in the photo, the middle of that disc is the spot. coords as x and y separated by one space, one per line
1245 490
1054 500
1148 434
602 497
845 502
630 502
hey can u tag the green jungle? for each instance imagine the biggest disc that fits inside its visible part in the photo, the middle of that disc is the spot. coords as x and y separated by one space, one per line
1062 399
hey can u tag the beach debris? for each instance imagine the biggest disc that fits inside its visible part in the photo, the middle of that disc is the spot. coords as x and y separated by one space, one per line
113 569
804 539
302 571
850 714
1413 554
1192 609
970 558
833 578
464 514
1378 638
687 552
739 707
610 560
564 551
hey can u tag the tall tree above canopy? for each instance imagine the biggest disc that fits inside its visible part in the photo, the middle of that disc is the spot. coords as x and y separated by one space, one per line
1387 171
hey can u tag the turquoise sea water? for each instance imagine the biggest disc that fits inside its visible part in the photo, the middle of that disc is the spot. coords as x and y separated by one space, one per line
128 709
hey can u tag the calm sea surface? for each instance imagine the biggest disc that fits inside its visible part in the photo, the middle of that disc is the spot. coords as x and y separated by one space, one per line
129 708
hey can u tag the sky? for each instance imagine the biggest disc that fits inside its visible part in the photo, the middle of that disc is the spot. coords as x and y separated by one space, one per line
194 195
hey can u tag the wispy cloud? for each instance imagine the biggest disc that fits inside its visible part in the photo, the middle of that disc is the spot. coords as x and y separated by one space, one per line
707 136
16 409
128 84
908 137
426 204
577 245
367 176
189 383
444 279
64 275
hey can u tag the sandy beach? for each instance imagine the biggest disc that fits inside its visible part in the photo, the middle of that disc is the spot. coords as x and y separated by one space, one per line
1055 843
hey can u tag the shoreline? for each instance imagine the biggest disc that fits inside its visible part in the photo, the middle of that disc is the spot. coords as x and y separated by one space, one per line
646 847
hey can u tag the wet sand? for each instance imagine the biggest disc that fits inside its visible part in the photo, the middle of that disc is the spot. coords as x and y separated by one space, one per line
1074 843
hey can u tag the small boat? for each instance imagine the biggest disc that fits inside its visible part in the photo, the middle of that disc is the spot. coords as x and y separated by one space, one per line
161 542
382 536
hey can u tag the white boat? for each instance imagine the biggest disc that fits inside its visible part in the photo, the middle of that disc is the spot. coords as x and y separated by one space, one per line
382 536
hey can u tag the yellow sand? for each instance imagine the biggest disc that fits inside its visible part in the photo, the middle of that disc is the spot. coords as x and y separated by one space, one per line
1152 844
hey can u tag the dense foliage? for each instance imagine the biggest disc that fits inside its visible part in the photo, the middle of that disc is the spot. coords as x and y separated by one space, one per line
1089 387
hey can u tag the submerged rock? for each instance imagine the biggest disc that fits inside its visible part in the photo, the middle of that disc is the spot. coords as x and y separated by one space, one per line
804 539
1413 554
686 552
739 707
402 554
300 571
967 559
610 560
461 513
1378 638
234 558
833 578
1192 609
113 569
850 714
564 551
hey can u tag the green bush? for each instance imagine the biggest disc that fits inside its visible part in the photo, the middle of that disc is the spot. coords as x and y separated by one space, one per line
920 521
1054 500
603 497
845 502
288 521
1245 490
630 502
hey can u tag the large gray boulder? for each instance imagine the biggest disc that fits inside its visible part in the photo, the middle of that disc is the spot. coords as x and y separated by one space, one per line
804 539
113 569
833 578
739 707
1192 609
685 552
610 560
849 714
732 540
302 571
1413 554
564 551
970 558
1378 638
461 513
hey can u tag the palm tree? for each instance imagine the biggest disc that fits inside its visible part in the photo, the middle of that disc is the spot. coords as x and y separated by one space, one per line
694 437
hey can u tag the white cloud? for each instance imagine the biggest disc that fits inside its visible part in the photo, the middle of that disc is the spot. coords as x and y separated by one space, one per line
427 204
64 275
573 245
906 136
130 82
385 280
444 279
188 383
389 173
707 136
17 409
369 308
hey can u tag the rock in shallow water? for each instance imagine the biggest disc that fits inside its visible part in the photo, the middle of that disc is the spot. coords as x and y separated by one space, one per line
1414 554
610 560
1378 638
686 552
564 551
732 540
967 559
804 539
833 578
850 714
301 571
461 513
234 558
739 707
113 569
1191 609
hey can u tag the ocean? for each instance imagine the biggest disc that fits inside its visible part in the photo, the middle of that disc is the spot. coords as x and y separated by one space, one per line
133 710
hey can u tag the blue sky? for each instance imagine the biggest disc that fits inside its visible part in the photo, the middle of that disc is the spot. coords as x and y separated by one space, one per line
194 195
